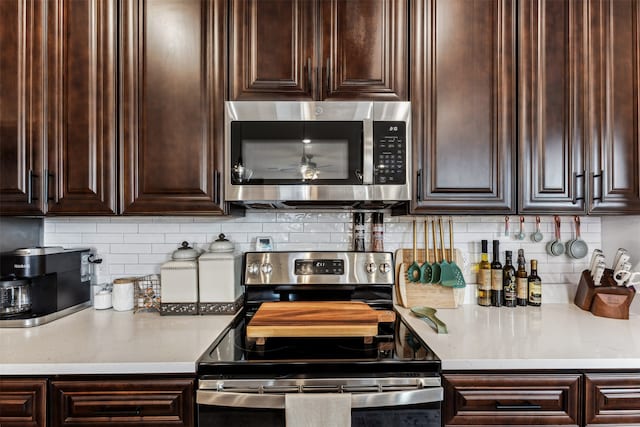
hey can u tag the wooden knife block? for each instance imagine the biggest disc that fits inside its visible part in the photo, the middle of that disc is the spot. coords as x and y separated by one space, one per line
606 300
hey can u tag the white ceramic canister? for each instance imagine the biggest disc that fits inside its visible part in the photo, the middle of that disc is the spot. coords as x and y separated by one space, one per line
102 296
179 282
219 278
122 294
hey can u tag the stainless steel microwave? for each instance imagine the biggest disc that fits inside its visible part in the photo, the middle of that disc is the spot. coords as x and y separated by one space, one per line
317 154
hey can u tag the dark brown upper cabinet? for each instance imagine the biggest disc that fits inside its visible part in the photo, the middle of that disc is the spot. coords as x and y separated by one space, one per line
171 119
58 107
614 100
463 103
22 109
551 106
81 143
318 49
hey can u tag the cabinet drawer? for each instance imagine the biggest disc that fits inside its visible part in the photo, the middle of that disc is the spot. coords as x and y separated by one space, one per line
612 399
511 399
155 403
23 402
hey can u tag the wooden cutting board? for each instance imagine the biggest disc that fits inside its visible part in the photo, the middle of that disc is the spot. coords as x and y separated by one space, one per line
316 319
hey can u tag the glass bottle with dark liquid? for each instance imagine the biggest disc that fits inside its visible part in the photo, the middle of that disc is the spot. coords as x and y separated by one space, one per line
509 281
496 276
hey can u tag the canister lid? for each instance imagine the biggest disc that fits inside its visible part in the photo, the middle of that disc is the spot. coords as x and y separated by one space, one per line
185 252
221 244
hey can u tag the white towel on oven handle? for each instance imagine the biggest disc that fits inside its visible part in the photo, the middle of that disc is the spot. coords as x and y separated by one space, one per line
317 409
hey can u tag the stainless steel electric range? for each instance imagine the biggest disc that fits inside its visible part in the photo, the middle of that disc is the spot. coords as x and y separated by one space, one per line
393 379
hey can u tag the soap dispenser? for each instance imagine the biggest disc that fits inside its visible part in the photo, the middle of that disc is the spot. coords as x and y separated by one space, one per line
179 282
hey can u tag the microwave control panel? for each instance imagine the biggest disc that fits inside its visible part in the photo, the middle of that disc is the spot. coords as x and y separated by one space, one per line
389 152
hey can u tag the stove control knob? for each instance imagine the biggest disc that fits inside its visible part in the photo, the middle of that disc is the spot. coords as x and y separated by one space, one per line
266 268
253 268
384 268
371 267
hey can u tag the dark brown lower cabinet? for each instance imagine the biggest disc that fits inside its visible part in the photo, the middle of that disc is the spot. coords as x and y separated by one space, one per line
131 402
512 399
23 402
612 399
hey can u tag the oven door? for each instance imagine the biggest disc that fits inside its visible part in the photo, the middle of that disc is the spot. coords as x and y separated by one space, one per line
380 401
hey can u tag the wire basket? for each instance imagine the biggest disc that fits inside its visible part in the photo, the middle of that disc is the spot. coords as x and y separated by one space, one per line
147 293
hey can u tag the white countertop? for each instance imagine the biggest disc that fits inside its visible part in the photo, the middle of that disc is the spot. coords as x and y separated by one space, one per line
553 336
109 342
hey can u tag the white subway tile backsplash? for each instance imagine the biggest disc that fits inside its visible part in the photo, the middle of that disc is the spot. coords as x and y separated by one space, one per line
200 227
130 248
141 269
57 239
291 227
116 270
117 228
323 227
143 238
247 227
121 258
334 217
102 238
153 258
296 217
163 248
75 227
159 228
139 245
309 238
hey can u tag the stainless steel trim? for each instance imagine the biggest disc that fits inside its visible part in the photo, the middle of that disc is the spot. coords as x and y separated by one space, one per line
365 111
46 250
263 385
37 321
277 401
283 268
363 400
367 151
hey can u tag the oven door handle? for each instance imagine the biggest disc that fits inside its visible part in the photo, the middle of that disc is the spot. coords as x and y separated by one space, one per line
360 400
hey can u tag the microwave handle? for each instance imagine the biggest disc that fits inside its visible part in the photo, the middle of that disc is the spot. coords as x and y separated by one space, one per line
360 400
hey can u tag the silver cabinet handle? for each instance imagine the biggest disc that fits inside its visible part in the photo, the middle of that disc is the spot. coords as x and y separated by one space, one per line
276 401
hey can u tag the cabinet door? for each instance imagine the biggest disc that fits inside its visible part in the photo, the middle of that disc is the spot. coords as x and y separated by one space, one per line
271 52
463 102
612 399
172 101
23 402
364 49
156 403
614 70
551 106
511 399
22 112
82 110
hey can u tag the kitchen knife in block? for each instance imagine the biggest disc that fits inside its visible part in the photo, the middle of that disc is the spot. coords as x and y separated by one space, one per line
606 300
301 319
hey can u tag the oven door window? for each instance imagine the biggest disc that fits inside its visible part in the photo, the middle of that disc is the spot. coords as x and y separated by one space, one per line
295 152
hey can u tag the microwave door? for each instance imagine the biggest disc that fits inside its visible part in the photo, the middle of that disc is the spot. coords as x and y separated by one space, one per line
296 152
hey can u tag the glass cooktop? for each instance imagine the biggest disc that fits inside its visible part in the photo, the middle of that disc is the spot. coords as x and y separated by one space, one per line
395 350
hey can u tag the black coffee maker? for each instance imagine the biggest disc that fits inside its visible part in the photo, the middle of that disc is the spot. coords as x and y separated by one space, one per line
51 282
